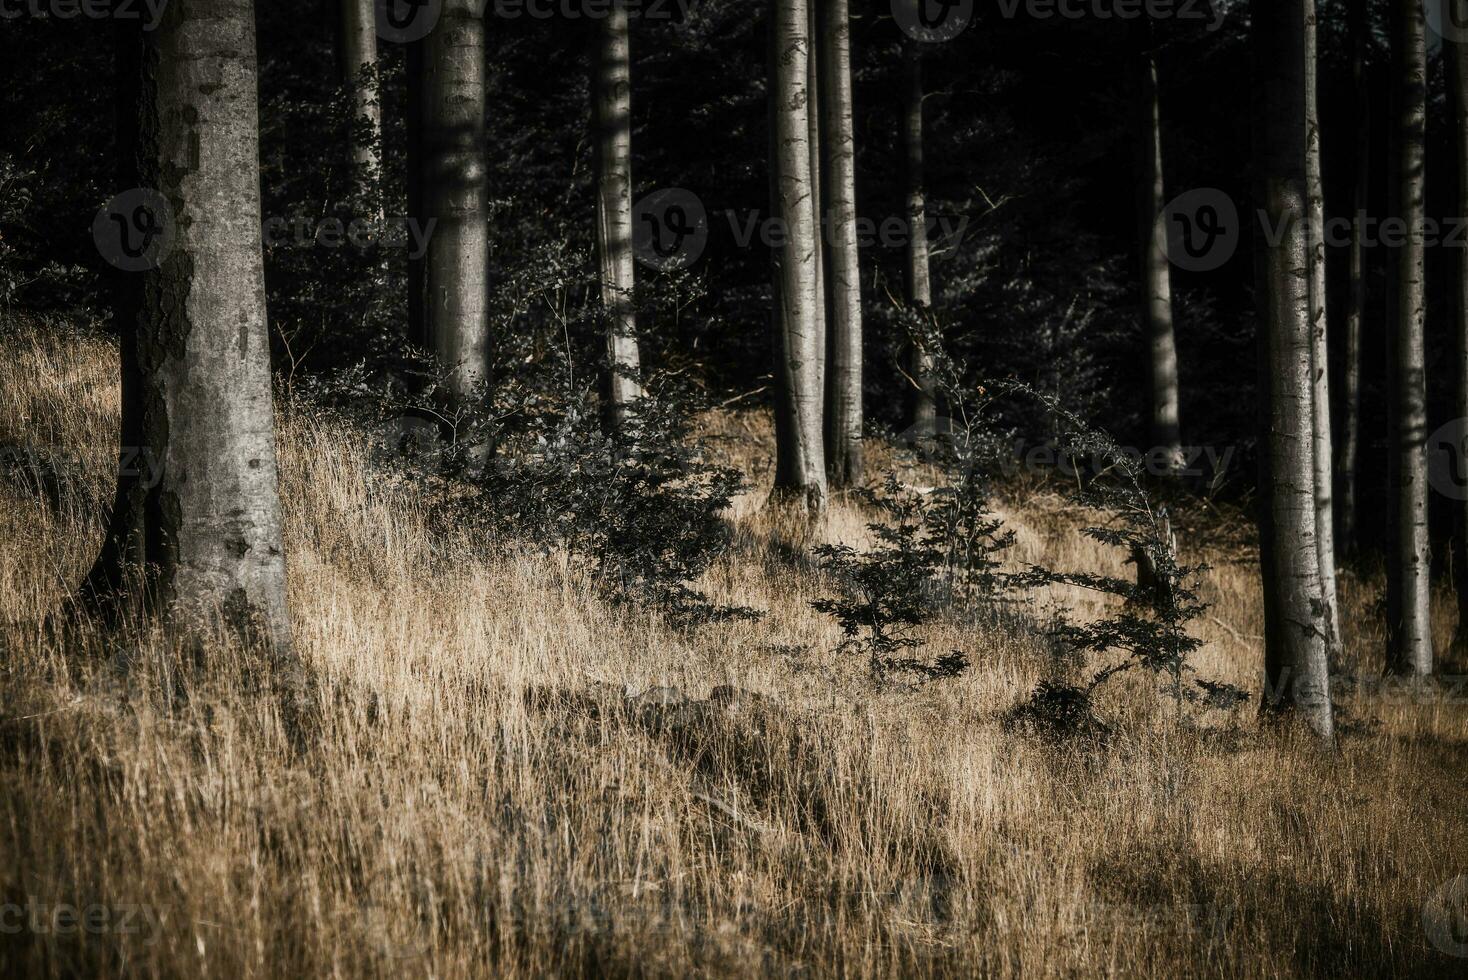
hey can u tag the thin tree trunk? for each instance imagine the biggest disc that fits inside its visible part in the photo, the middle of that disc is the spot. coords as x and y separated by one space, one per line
447 308
1296 665
613 112
1409 572
198 526
800 459
1156 280
1319 344
1350 398
817 180
923 410
1456 61
357 50
844 372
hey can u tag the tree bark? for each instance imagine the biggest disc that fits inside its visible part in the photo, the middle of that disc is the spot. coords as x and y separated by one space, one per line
817 180
447 306
844 457
1296 666
1409 633
1156 279
800 459
612 95
1324 455
923 409
1350 398
357 50
199 526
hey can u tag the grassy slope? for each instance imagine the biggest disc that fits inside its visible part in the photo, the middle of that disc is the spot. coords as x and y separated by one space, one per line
450 824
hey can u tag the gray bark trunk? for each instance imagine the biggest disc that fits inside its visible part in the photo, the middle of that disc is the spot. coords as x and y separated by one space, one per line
817 198
1409 571
356 50
923 409
1319 344
844 461
202 531
1296 665
800 459
1350 398
612 95
1156 280
448 291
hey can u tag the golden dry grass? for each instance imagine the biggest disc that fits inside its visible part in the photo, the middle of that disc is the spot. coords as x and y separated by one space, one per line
478 806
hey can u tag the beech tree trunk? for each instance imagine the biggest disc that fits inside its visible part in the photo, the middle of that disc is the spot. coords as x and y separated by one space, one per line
800 472
356 50
612 95
1324 454
447 308
1156 280
1296 665
1409 630
198 527
817 180
923 409
1350 398
844 462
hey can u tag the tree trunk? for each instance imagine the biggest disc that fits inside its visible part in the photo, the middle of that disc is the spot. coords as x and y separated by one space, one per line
800 459
1319 344
922 411
817 199
612 94
1456 62
1156 281
357 50
1350 399
447 307
844 371
1296 667
199 524
1409 571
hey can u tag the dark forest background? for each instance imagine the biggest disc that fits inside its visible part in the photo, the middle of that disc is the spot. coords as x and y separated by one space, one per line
1028 138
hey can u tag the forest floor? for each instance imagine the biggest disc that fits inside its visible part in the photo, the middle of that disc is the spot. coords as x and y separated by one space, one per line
483 802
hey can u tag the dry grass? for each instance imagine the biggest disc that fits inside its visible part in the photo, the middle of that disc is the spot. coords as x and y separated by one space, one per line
478 805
